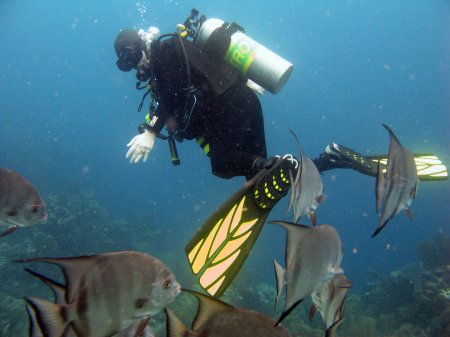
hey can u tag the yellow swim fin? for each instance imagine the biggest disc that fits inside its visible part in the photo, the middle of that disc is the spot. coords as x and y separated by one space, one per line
429 166
220 247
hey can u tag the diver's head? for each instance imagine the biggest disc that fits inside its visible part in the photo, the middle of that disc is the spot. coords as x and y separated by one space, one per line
129 49
133 50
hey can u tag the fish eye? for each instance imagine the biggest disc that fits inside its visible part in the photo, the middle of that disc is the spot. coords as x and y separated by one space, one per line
34 208
167 284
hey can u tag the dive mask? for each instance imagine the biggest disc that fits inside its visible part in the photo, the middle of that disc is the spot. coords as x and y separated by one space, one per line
129 58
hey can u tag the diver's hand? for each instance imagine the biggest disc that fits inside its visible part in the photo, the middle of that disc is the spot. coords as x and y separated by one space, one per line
140 146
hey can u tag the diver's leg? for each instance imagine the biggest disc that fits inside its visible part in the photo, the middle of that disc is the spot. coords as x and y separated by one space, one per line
235 133
339 156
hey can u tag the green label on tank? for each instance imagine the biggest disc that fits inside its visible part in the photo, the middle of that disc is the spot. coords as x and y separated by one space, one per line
241 52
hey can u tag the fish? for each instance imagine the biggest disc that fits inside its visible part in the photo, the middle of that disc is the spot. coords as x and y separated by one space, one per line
20 203
128 286
329 300
219 319
397 187
306 188
313 256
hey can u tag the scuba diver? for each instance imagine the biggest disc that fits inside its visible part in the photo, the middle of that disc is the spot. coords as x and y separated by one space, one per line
202 81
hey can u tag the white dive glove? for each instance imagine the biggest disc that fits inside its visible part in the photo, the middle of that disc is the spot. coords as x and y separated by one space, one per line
140 146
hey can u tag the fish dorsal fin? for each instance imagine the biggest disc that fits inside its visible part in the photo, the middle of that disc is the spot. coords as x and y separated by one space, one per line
296 233
175 327
73 268
302 157
295 182
394 140
208 307
58 289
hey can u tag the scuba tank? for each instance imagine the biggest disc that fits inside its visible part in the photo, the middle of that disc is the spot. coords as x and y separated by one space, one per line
249 57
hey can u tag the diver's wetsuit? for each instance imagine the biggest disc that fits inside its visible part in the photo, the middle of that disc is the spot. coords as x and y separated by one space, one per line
230 119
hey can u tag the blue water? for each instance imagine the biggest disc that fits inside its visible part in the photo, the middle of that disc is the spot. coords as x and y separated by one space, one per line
67 114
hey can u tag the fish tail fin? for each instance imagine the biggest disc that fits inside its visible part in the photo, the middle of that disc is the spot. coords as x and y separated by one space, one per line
280 275
47 317
175 327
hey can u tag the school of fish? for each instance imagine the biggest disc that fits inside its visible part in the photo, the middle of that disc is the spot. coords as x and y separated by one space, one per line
117 293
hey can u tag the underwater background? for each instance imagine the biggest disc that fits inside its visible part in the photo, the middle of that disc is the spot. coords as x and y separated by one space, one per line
67 113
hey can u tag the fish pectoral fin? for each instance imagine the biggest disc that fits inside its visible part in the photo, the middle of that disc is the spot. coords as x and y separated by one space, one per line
141 327
175 327
321 198
9 211
312 217
280 276
409 213
9 231
312 312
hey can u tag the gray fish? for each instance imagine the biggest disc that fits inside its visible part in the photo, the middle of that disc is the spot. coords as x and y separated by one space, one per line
104 294
313 256
219 319
20 203
140 329
306 188
329 301
397 187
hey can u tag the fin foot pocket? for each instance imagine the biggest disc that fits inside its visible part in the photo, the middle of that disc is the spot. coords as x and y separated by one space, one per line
275 183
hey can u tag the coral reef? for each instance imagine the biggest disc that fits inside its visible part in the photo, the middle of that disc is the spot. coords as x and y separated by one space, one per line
413 301
402 308
77 225
434 253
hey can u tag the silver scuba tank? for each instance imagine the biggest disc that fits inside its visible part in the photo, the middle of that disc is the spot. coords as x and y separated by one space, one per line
250 58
